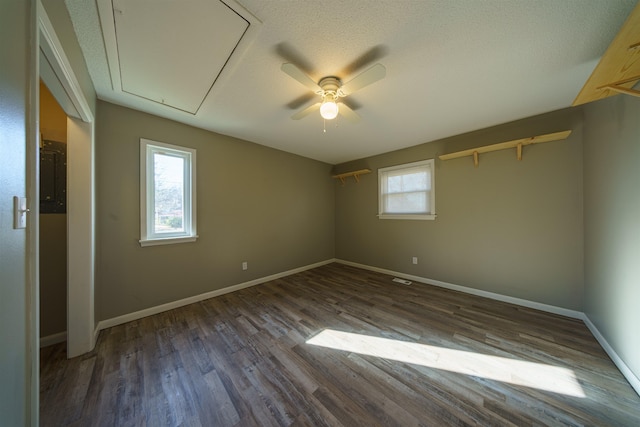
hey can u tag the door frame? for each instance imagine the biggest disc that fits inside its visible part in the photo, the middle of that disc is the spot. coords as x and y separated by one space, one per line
81 325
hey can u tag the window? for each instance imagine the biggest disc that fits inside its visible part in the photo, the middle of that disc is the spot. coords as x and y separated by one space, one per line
167 193
407 191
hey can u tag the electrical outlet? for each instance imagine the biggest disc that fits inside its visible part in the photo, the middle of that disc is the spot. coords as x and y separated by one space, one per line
415 259
245 265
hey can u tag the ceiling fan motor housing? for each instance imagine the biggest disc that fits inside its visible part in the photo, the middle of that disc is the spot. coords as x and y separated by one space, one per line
330 84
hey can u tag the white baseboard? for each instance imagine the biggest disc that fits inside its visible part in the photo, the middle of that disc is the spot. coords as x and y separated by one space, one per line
498 297
53 339
104 324
624 369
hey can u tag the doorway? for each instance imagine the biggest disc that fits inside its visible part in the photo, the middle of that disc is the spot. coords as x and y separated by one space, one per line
53 220
56 72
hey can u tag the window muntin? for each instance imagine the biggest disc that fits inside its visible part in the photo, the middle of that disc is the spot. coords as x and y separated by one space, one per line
167 193
407 191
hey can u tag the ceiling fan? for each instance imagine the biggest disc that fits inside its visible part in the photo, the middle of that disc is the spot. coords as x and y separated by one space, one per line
331 89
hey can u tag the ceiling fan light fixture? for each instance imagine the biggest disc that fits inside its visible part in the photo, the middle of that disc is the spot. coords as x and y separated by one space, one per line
331 89
329 108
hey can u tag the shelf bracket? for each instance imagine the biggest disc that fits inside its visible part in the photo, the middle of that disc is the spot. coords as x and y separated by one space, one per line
519 151
617 86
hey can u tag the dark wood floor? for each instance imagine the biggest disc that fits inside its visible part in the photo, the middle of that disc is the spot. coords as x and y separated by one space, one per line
242 360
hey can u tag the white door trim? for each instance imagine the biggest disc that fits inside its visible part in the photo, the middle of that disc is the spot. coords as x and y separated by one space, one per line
53 51
80 203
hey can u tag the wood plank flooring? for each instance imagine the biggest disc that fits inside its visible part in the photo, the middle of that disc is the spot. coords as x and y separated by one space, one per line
242 359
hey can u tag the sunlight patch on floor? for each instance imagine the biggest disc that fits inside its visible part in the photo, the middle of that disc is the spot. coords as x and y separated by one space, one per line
518 372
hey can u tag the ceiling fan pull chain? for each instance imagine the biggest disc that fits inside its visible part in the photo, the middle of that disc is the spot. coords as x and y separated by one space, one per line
324 125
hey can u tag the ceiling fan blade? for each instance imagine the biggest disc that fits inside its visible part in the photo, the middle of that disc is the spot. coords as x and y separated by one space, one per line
302 100
372 75
300 76
348 113
304 113
369 57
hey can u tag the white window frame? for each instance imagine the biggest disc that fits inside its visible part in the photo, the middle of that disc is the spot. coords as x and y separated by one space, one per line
148 237
428 166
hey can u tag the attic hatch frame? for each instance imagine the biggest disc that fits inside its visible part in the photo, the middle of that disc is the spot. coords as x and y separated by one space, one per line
107 10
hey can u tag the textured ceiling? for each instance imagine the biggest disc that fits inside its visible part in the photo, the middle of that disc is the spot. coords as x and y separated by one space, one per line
453 66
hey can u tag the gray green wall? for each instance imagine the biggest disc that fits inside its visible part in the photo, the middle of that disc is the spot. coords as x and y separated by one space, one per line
509 227
272 209
612 223
16 359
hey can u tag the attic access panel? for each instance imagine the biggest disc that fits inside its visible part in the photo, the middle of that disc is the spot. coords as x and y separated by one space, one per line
172 52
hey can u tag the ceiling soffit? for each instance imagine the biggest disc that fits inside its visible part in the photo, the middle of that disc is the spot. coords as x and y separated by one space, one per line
154 55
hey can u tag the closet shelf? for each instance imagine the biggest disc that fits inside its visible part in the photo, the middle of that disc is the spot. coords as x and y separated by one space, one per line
516 143
619 68
354 174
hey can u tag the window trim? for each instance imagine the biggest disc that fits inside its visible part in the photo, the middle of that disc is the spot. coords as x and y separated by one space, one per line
147 236
432 193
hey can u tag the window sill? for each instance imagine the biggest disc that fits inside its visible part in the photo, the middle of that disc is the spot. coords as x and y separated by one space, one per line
412 217
168 241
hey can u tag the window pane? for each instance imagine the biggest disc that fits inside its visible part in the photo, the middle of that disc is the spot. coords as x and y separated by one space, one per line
168 193
406 203
394 184
416 181
407 191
